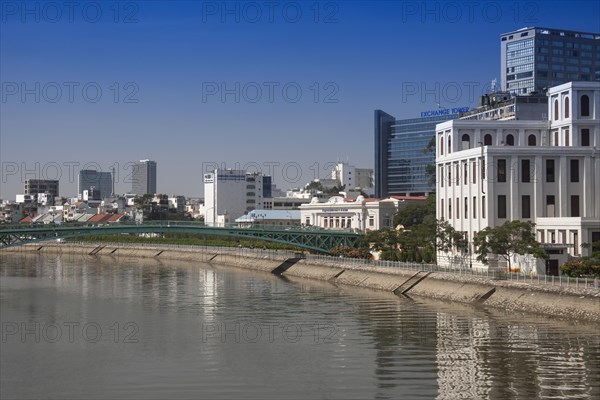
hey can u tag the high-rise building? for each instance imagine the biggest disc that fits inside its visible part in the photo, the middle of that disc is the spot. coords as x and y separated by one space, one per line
230 193
401 158
534 59
101 181
143 178
40 186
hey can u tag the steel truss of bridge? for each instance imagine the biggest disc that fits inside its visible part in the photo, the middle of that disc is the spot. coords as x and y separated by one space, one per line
321 240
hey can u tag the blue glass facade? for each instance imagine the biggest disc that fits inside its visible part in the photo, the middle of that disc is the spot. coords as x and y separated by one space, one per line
400 157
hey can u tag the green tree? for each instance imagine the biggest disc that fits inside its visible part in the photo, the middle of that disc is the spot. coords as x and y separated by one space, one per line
430 169
512 237
415 214
586 266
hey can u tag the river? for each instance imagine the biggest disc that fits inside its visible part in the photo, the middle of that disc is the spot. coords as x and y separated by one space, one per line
102 328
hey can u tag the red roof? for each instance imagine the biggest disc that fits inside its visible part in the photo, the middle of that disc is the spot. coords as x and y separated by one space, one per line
115 217
99 218
27 219
416 198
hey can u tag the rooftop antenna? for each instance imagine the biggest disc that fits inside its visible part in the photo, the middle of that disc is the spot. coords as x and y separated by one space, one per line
113 180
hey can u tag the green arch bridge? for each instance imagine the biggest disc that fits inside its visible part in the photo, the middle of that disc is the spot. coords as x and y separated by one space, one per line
317 239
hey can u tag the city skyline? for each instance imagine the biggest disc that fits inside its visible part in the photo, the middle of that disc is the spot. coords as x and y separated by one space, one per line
181 84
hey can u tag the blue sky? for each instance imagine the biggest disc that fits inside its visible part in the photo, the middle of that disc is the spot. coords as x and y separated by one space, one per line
287 87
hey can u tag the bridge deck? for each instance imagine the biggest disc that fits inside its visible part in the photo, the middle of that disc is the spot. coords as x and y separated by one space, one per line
317 239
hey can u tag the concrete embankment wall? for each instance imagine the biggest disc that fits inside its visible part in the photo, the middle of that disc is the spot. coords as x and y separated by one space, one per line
553 301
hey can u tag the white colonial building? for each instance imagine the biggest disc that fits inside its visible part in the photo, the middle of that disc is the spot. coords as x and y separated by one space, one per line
356 214
547 172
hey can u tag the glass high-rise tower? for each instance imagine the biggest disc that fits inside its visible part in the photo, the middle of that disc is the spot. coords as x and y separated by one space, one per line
535 59
400 154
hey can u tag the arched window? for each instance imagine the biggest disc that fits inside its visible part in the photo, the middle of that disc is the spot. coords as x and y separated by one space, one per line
555 110
465 142
510 140
487 140
567 107
449 144
441 145
585 105
531 140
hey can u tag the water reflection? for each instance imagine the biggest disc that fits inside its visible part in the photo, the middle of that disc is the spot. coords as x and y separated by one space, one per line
221 333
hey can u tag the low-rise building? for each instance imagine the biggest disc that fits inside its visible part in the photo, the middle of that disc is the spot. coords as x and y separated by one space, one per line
270 217
360 214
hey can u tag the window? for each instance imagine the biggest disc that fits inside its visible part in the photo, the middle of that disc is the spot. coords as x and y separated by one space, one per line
575 242
482 206
449 144
585 137
457 173
465 173
510 140
466 207
483 168
442 209
574 170
457 208
487 140
575 206
567 107
371 220
501 206
501 170
525 171
566 137
449 208
549 170
449 175
555 110
555 138
474 206
441 176
442 145
550 206
465 142
525 207
474 172
531 140
584 105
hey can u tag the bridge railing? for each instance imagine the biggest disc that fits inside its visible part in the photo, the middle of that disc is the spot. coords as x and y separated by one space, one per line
169 223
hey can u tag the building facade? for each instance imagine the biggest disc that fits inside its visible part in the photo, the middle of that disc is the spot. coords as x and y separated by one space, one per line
37 186
270 217
546 172
143 177
401 158
535 59
360 214
350 177
229 194
101 181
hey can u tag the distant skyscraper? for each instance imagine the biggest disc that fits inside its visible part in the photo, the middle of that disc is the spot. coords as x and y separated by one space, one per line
143 178
400 157
534 59
37 186
101 181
